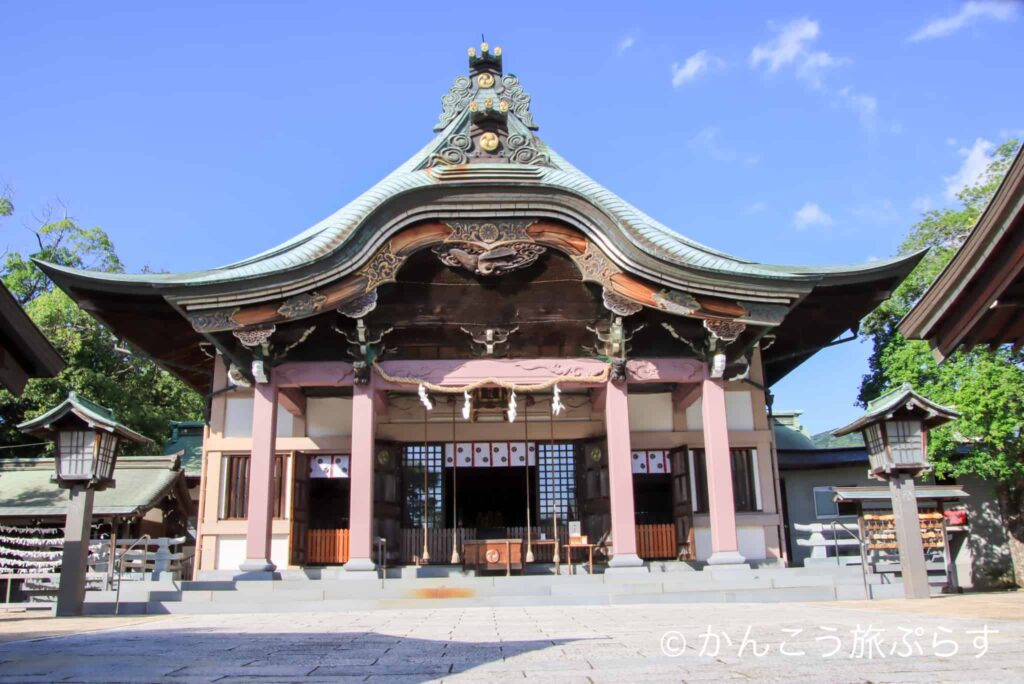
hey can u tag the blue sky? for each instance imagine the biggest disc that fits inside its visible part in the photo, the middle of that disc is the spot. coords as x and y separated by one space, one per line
783 132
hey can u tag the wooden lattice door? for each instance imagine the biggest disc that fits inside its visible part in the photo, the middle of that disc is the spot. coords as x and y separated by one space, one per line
300 510
387 502
682 505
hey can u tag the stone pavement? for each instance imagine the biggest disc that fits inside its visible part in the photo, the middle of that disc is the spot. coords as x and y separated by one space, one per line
20 625
892 642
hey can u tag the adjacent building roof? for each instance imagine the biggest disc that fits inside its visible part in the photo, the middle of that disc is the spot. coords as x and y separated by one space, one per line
978 297
24 350
826 440
90 412
902 398
187 439
797 450
142 482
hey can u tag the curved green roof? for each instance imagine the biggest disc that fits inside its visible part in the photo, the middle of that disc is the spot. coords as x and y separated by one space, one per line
546 170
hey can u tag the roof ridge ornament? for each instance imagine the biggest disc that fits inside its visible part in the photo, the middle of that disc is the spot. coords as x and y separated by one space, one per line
487 117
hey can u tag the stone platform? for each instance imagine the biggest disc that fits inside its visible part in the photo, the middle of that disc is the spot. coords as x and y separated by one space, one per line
332 590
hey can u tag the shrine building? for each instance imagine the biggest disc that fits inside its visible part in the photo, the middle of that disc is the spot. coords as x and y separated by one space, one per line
485 350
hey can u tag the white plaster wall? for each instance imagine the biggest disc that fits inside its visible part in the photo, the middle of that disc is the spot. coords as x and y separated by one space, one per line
750 539
328 416
231 551
739 412
650 412
238 418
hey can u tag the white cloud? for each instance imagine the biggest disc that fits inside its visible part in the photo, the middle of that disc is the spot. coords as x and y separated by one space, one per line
999 10
694 66
627 42
976 159
922 203
791 46
708 139
878 212
814 64
787 46
811 215
865 106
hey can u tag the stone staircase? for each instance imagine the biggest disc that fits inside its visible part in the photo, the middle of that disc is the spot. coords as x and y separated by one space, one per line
332 590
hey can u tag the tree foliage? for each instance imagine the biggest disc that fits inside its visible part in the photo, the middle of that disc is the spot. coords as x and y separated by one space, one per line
142 395
986 386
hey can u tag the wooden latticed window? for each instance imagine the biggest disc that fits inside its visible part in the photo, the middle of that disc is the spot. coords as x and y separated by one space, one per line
556 481
746 482
234 487
417 458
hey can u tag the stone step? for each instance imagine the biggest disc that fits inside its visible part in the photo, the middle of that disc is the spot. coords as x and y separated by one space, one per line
326 591
233 602
820 593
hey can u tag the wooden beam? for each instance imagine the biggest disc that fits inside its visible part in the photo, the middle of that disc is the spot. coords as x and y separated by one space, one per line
293 401
380 403
597 400
685 394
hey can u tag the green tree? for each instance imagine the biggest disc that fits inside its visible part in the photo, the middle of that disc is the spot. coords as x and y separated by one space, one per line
986 386
142 395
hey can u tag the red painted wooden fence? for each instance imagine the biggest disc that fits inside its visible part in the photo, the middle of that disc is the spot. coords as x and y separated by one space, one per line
328 547
656 541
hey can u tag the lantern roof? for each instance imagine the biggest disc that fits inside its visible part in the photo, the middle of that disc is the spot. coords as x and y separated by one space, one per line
922 492
89 412
902 398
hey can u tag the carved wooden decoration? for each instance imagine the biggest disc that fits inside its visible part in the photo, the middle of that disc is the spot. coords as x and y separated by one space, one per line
299 306
213 320
594 266
382 267
619 305
494 261
724 329
489 248
256 336
485 341
360 306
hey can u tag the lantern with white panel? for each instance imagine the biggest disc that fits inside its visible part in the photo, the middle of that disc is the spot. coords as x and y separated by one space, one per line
895 429
87 440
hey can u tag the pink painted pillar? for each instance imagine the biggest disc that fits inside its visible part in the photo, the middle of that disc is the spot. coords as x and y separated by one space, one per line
620 478
718 461
361 482
261 479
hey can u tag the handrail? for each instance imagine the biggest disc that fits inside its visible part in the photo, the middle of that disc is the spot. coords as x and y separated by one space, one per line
120 566
382 558
860 545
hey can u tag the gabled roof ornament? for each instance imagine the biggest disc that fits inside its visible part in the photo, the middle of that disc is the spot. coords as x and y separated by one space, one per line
487 118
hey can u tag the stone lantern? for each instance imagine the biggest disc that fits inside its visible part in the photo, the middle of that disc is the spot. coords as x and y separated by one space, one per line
895 429
87 440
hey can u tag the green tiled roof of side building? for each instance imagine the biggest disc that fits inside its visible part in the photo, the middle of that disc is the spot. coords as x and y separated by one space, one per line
187 437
